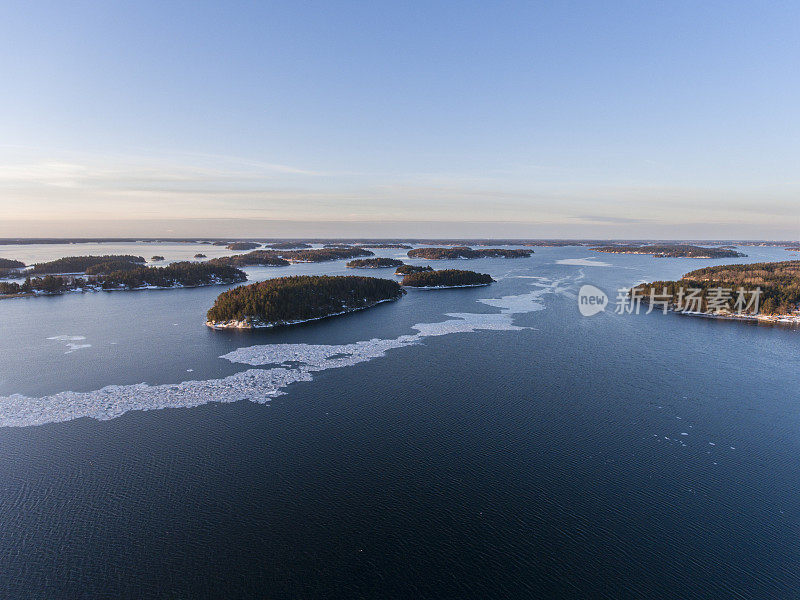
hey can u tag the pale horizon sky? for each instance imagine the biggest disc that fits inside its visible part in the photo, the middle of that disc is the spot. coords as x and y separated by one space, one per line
457 119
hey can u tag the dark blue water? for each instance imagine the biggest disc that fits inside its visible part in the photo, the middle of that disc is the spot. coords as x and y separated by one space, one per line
544 462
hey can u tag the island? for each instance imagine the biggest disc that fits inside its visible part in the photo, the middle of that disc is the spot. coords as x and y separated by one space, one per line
79 264
324 254
242 246
9 266
387 246
374 263
176 275
256 258
200 255
447 278
672 251
292 300
727 291
288 245
156 258
460 252
406 269
793 248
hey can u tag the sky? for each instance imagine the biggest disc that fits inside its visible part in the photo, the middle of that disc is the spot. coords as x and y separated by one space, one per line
429 118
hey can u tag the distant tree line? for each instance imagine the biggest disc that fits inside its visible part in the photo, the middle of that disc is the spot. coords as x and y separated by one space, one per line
406 269
374 263
288 299
672 251
282 258
79 264
466 252
242 246
8 266
446 278
256 258
10 263
287 245
180 274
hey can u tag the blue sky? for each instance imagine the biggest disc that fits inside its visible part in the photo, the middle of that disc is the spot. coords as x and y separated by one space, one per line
551 119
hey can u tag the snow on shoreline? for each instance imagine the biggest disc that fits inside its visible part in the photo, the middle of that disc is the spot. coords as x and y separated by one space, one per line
262 325
284 364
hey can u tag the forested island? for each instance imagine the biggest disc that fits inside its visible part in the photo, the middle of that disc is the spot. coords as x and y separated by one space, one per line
447 278
458 252
672 251
406 269
9 266
200 255
779 283
242 246
79 264
374 263
292 300
282 258
132 277
387 246
256 258
288 245
156 258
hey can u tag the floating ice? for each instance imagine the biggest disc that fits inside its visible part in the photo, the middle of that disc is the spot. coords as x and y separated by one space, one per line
286 364
583 262
70 342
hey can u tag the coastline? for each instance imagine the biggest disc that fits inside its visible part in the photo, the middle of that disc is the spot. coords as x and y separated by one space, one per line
445 287
783 319
261 325
90 290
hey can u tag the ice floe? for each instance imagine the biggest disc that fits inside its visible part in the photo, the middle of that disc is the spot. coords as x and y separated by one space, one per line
280 365
70 341
583 262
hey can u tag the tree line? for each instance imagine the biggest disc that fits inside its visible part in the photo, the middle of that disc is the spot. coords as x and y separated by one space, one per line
180 274
779 283
373 263
467 252
298 298
446 278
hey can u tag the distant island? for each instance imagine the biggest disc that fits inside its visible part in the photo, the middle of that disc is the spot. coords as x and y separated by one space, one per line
282 258
9 266
79 264
779 283
156 258
256 258
406 269
672 251
132 277
794 248
386 246
447 278
324 254
459 252
374 263
242 246
287 245
200 255
292 300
